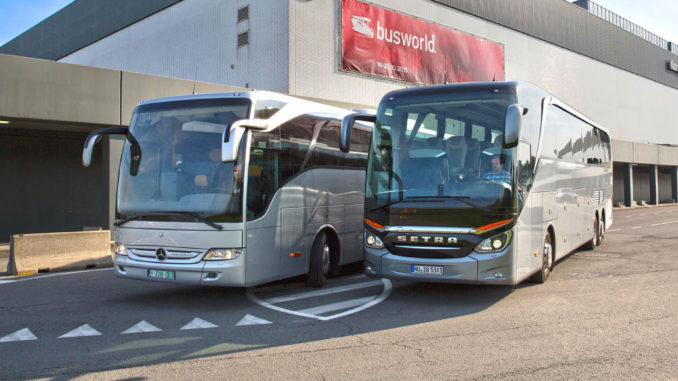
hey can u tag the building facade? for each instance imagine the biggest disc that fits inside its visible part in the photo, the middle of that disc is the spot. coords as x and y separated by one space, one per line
609 72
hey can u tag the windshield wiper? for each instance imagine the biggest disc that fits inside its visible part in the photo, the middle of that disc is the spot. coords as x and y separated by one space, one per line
464 199
408 199
195 216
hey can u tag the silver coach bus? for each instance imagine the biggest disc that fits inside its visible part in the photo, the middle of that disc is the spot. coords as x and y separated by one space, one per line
481 183
236 189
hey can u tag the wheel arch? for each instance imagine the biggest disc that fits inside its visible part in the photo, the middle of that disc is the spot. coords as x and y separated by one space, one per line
552 232
333 240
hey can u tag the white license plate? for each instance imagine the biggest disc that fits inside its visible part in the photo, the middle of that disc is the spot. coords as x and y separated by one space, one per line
163 274
417 269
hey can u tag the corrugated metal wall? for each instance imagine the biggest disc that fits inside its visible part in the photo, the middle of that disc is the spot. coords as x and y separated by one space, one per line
573 28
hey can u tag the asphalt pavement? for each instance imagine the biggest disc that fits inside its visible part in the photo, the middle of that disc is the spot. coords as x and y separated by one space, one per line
603 314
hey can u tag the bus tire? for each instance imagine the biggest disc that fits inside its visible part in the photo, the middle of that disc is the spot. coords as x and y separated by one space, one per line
590 245
546 262
319 264
601 231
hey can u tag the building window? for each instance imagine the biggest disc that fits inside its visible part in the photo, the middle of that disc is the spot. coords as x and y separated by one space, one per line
243 39
244 14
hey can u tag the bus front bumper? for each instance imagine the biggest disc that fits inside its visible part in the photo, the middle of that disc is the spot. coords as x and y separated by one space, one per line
204 273
494 268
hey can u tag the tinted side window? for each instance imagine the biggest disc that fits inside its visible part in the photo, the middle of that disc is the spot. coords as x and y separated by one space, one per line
263 172
360 144
295 138
326 148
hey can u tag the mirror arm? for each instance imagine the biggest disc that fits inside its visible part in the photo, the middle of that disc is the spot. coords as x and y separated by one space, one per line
95 136
347 127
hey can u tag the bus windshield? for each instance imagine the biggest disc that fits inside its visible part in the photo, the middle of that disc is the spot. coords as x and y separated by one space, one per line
181 169
445 147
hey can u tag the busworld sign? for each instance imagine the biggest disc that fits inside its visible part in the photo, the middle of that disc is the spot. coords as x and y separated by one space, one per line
380 42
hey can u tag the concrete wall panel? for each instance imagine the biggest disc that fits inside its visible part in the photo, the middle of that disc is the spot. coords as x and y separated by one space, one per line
622 151
38 89
668 155
644 153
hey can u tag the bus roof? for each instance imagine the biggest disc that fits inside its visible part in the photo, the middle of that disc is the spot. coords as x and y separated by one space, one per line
488 86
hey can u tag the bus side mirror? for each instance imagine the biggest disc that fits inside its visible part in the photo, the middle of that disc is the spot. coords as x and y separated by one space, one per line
88 150
232 136
230 143
514 118
347 127
95 136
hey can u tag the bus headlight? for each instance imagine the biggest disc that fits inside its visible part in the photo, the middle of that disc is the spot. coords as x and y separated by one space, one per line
495 243
119 249
372 241
222 254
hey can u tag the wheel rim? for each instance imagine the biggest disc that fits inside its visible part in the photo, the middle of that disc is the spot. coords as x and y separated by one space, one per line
326 259
596 232
548 257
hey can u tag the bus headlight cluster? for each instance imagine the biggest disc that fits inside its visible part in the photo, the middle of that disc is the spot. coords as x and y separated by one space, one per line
119 249
372 241
222 254
495 243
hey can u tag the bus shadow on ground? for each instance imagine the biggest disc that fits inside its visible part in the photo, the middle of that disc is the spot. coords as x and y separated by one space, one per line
170 306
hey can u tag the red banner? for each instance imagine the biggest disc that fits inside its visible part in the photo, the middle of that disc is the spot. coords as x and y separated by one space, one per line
389 44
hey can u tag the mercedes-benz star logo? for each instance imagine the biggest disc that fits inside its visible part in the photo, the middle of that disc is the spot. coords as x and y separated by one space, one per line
161 254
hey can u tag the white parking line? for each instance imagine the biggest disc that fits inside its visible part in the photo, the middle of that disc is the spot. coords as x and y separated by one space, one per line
336 306
665 223
636 227
53 275
371 301
328 291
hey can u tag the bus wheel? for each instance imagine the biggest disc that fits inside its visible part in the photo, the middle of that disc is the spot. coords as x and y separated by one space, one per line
546 262
590 245
319 265
601 231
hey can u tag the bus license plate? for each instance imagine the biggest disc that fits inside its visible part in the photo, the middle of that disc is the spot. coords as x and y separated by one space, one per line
163 274
417 269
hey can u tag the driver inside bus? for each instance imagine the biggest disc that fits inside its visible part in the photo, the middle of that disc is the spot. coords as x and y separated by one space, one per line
498 174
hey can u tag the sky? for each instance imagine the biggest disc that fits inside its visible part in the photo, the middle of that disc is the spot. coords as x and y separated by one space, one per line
657 16
20 15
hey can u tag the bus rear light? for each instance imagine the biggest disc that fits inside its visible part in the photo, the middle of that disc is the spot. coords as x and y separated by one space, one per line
373 224
484 228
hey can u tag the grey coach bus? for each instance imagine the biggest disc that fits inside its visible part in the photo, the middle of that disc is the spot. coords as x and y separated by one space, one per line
236 189
481 183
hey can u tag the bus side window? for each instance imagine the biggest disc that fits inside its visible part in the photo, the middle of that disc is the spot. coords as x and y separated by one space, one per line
525 165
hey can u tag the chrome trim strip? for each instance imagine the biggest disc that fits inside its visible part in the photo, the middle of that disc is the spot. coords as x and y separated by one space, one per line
428 247
428 229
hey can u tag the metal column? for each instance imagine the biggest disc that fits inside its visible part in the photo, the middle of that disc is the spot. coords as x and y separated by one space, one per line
628 184
674 184
654 185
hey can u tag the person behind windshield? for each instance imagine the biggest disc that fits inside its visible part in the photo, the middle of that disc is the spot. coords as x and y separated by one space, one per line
498 174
